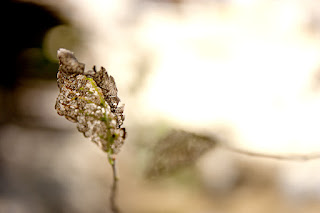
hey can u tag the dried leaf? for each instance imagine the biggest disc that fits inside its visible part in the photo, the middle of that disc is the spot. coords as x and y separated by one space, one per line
89 98
178 149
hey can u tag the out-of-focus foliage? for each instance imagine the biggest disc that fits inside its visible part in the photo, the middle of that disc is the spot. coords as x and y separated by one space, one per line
24 26
176 150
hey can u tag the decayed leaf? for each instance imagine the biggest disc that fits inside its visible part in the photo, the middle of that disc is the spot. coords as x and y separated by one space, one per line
89 98
176 150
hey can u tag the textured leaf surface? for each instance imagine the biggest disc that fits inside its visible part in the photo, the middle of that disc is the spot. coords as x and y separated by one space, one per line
89 98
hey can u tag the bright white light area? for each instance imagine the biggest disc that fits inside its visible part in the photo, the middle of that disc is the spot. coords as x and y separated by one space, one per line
239 70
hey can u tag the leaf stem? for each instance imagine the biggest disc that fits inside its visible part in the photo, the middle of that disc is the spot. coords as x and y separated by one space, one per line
114 188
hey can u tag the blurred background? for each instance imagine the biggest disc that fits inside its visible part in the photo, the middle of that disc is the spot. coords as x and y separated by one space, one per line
245 73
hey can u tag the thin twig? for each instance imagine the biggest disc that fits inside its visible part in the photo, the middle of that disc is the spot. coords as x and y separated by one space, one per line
113 194
292 157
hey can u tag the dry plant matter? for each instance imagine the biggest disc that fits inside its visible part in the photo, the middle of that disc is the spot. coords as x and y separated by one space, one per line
180 148
89 99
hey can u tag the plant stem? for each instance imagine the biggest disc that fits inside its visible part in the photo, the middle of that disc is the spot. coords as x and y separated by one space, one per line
113 194
290 157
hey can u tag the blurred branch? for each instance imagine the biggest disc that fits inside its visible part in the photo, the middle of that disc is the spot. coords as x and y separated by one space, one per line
292 157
